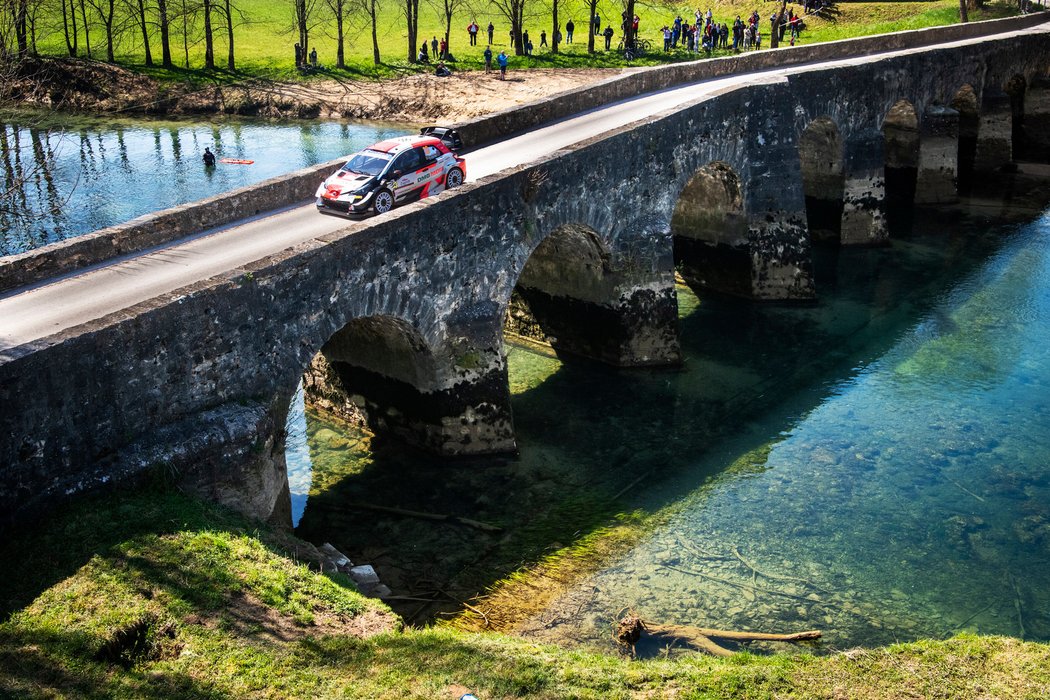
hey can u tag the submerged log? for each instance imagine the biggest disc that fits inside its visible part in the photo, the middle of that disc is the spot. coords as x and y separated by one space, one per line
631 628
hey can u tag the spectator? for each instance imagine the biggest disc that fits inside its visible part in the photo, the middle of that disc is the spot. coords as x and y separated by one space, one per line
492 30
569 28
442 70
543 38
434 47
488 59
472 30
608 34
597 24
502 61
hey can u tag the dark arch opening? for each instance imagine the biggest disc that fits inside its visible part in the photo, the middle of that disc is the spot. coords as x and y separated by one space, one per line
966 104
563 295
823 179
900 130
1016 87
710 232
371 373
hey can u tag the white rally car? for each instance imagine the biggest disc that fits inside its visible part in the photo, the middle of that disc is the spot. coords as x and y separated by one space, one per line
393 172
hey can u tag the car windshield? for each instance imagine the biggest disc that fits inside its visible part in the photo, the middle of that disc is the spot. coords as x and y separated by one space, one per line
367 163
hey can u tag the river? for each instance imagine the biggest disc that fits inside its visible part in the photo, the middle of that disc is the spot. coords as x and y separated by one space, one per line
65 176
875 466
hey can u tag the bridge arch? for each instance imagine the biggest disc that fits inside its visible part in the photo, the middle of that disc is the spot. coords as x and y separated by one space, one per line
900 131
711 237
588 293
966 103
821 157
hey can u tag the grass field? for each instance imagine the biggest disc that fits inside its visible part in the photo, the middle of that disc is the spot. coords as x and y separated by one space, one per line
264 39
155 595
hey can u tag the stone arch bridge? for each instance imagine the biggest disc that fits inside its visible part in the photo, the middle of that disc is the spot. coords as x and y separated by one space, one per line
402 321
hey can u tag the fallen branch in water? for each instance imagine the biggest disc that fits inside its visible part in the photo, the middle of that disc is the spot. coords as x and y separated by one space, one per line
440 517
631 628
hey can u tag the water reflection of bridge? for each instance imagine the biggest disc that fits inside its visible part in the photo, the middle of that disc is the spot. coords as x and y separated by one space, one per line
400 322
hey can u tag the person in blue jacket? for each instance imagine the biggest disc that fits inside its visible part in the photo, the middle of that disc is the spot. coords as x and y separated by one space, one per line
502 61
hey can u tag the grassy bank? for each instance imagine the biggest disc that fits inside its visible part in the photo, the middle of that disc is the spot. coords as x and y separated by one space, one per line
264 36
160 596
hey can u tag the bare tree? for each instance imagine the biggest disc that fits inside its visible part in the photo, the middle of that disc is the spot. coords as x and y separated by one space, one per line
411 9
963 15
305 16
340 9
87 27
556 30
592 12
106 11
69 26
778 19
138 9
19 12
209 37
627 26
372 7
514 11
165 33
448 8
229 13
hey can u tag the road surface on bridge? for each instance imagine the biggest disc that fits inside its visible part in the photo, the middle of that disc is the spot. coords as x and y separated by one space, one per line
37 312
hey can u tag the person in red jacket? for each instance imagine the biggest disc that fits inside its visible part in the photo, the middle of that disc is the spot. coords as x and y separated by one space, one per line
472 30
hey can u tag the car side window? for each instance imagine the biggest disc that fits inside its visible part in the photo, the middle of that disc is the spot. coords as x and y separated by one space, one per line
431 153
406 162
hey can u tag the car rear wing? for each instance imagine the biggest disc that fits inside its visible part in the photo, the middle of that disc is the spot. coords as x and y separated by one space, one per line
447 135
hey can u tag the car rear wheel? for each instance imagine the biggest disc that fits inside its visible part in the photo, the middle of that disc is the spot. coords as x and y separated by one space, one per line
454 178
384 201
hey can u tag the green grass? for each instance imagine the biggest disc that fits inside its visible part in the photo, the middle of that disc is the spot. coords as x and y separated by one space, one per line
223 612
264 39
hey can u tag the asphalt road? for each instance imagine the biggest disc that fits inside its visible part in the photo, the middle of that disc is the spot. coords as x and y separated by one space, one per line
65 302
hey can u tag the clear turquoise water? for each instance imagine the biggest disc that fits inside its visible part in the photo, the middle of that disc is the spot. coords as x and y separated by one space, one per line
876 466
78 175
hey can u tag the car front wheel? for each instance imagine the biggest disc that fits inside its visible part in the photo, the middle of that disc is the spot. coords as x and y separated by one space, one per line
384 201
454 178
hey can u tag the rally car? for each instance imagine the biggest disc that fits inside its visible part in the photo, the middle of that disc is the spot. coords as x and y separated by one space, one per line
393 172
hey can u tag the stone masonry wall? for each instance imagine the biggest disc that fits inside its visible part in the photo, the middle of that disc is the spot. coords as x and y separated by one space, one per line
75 405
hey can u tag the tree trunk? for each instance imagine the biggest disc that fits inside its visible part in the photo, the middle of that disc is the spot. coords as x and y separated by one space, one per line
374 11
165 38
145 32
230 65
593 7
340 55
69 28
963 15
185 34
21 35
774 33
555 32
87 27
628 25
209 40
412 21
110 39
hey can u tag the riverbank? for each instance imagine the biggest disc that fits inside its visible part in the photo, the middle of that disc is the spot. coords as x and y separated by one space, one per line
100 88
181 599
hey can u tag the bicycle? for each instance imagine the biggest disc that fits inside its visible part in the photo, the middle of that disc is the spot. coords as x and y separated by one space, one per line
641 47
